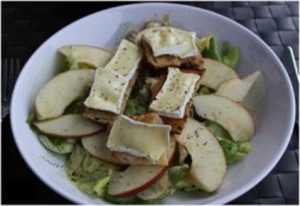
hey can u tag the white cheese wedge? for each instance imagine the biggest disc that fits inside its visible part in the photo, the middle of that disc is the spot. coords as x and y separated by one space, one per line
175 94
126 59
171 41
112 84
108 91
138 138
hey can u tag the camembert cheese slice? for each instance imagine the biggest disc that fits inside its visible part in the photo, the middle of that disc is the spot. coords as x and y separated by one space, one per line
112 83
171 41
139 138
175 94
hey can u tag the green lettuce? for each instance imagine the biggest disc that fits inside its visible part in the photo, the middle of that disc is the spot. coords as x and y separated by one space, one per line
88 173
179 176
139 99
224 52
234 151
54 144
57 145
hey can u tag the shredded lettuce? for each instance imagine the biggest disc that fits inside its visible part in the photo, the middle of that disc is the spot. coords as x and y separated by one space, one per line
122 200
234 151
57 145
54 144
224 52
88 173
179 176
140 97
230 54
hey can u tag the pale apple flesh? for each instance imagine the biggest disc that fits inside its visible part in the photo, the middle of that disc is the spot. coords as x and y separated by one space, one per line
157 190
80 56
230 115
208 161
216 73
96 146
61 91
69 126
134 179
248 91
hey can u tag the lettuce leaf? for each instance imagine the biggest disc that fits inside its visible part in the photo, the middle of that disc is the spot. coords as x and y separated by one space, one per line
57 145
140 98
54 144
234 151
224 52
180 179
89 174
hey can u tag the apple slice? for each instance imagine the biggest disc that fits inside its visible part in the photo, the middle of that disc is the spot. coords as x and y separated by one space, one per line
208 161
157 190
216 73
248 91
182 153
229 114
61 91
69 126
134 179
96 146
80 56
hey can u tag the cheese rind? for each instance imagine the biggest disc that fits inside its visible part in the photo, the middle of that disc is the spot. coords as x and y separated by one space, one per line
138 138
108 91
112 84
126 59
175 94
171 41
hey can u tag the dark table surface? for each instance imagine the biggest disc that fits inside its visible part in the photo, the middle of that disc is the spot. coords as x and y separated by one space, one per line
26 25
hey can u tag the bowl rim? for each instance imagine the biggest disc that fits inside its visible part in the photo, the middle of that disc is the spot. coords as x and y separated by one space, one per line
227 198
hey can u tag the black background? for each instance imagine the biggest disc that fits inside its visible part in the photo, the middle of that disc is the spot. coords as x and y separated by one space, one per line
26 25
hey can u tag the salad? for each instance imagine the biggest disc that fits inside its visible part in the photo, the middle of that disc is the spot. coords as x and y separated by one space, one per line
165 111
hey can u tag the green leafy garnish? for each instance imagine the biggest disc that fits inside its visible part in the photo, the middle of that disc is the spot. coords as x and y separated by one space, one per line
230 55
139 99
234 151
88 173
57 145
224 53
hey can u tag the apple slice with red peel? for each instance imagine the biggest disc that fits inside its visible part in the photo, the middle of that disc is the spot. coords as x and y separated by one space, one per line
157 190
134 179
69 126
96 146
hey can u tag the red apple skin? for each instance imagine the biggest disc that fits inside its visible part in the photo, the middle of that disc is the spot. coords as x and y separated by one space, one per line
150 182
144 186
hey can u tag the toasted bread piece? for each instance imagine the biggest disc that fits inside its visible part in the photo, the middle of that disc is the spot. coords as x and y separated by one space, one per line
99 116
166 61
178 124
152 118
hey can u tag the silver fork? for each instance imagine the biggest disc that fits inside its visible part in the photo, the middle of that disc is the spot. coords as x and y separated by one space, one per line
10 70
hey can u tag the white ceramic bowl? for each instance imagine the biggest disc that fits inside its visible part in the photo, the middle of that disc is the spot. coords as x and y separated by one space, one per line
274 121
